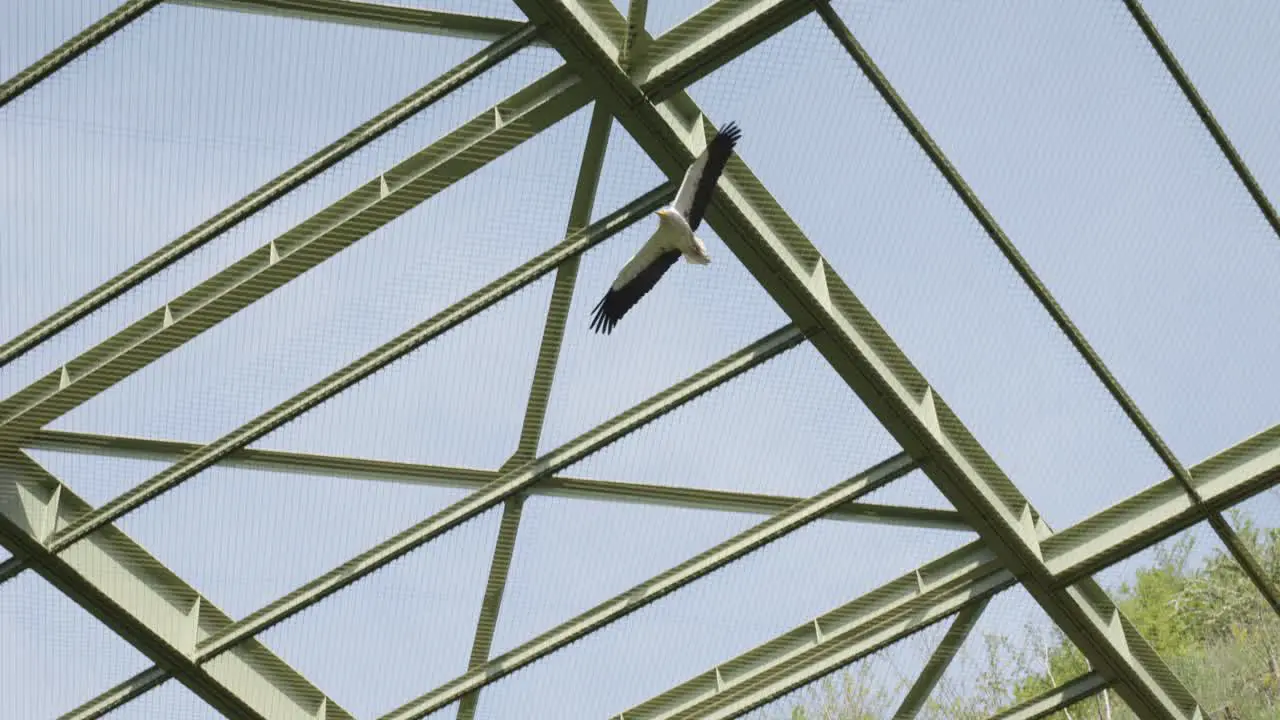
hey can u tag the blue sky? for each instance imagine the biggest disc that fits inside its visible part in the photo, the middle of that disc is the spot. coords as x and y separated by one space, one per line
1058 115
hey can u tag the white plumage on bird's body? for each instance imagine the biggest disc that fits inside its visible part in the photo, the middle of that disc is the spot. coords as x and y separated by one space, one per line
674 236
679 236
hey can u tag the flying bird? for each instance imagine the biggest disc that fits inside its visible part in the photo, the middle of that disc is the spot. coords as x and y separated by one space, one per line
674 236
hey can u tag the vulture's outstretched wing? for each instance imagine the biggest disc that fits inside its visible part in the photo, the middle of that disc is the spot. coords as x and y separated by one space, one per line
701 177
637 278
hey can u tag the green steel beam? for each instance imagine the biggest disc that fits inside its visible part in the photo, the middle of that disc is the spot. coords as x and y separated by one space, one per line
939 661
1094 543
629 601
1202 109
376 203
104 704
962 579
1163 510
372 15
245 208
397 347
584 198
508 484
706 41
516 481
1229 477
530 110
78 45
1056 699
495 587
1044 296
474 479
147 340
135 595
791 269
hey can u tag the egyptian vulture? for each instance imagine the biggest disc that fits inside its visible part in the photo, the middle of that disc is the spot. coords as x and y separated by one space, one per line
674 236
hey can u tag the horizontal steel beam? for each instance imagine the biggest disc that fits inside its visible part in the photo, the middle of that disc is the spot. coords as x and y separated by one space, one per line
961 579
629 601
706 41
123 351
480 141
1056 699
1045 298
515 481
473 479
380 16
399 346
246 207
792 270
374 204
96 522
1255 471
78 45
1163 510
508 484
135 595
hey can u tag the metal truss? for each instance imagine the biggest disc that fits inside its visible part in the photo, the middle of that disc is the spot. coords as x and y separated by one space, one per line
613 62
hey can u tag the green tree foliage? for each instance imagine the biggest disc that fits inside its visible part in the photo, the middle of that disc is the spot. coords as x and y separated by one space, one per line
1208 621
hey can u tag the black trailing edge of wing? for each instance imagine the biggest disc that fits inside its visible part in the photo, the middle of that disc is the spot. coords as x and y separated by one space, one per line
616 303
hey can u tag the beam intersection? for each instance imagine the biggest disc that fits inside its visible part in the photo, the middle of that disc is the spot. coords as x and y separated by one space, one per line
1042 293
612 60
776 251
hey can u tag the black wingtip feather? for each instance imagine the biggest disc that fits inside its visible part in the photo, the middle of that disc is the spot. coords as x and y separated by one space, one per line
604 315
731 132
616 302
718 152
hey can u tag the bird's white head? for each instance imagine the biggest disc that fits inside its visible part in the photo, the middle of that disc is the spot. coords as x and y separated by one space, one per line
671 217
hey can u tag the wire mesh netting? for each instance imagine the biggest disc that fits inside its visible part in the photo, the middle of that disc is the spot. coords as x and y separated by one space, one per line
582 525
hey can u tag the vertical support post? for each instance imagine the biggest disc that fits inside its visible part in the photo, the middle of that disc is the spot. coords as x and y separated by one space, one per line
636 42
584 199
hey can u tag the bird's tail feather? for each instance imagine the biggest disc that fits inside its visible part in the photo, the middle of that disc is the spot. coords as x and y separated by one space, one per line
698 255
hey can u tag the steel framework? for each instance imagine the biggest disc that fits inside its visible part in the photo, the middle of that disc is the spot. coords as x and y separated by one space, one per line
612 63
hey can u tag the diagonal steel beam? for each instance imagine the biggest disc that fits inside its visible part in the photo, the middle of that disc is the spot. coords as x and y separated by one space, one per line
474 479
78 45
1247 468
584 198
939 661
370 363
246 207
131 592
792 270
629 601
373 15
516 481
1055 699
374 204
962 579
505 486
1045 297
1141 520
706 41
1206 116
538 106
